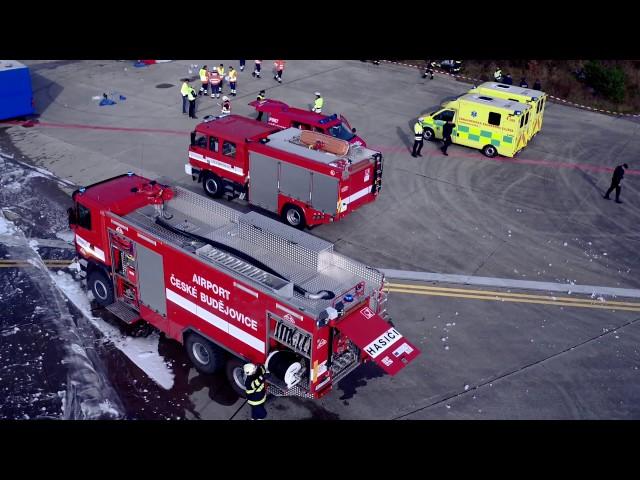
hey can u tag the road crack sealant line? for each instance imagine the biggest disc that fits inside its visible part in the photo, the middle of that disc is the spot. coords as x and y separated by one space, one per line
556 99
518 370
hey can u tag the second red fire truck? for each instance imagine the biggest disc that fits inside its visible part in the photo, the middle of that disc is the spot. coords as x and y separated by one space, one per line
306 177
233 288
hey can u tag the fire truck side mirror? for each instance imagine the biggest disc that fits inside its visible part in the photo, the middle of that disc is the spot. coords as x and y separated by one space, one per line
193 138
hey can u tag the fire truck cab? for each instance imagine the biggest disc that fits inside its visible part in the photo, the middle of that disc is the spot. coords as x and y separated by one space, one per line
233 288
305 177
283 116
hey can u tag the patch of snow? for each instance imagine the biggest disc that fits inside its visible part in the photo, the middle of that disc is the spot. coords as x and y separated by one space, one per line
141 351
6 227
66 235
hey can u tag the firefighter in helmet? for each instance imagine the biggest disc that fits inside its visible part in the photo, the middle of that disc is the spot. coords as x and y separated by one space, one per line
226 105
255 388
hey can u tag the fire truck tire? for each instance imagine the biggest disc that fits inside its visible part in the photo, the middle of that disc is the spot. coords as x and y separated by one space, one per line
101 287
428 134
206 357
490 151
293 216
235 376
212 185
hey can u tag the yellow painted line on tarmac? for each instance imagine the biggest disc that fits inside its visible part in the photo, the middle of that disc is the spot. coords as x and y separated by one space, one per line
542 300
509 294
21 263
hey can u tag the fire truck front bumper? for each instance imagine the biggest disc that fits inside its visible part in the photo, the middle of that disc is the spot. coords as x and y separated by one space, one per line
192 171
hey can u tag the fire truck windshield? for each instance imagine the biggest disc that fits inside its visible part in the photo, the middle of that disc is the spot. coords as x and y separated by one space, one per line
342 132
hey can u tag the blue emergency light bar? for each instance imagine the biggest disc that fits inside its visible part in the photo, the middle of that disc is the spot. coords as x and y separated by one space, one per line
328 119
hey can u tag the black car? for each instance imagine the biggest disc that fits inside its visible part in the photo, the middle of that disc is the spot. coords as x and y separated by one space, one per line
451 66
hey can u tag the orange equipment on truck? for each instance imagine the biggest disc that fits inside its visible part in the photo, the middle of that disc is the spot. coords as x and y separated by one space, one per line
233 288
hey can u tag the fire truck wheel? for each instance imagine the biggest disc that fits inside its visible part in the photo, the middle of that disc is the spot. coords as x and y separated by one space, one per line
428 134
212 186
101 287
490 151
293 216
235 376
206 357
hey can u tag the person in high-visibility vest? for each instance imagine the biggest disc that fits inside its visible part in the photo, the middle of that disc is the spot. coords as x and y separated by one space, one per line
220 70
191 96
256 68
184 91
261 97
497 75
255 388
419 139
204 78
279 64
318 103
233 78
226 105
214 81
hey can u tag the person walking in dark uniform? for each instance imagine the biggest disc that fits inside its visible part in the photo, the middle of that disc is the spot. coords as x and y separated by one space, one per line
419 139
261 97
537 86
618 173
255 388
523 83
447 128
507 80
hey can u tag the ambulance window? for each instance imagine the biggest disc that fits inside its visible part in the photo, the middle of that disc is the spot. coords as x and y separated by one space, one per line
526 120
84 217
229 149
494 119
445 116
213 144
521 121
200 141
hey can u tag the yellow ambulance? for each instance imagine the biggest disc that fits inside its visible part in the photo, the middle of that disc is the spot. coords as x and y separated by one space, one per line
491 124
536 98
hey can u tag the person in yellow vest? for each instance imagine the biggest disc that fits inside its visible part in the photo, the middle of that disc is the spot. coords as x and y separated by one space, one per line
318 103
184 91
191 96
204 78
418 139
261 97
233 78
220 70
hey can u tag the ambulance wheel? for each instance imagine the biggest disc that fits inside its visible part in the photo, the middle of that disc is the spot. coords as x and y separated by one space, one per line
212 185
490 151
235 376
293 216
101 287
428 134
206 357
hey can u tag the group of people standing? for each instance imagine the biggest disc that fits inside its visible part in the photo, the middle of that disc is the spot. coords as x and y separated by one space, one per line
213 80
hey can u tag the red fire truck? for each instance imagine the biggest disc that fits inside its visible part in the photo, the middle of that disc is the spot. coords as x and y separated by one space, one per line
283 116
233 288
305 177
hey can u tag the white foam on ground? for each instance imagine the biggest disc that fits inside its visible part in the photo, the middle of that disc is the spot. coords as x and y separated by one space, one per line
141 351
6 227
66 235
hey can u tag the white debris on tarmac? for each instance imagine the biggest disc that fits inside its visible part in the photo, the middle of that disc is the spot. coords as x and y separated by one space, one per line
141 351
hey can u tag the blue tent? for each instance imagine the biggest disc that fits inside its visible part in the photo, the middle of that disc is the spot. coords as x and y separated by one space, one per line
16 96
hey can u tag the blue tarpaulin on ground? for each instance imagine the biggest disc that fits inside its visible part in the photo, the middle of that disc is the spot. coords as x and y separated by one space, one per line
106 101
